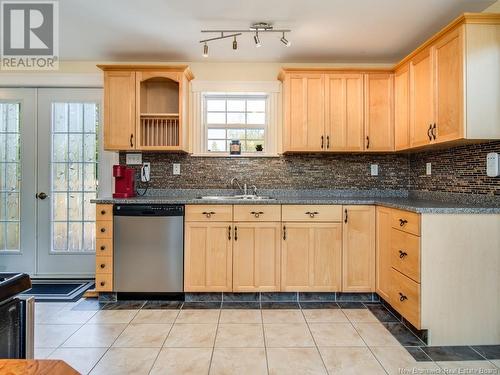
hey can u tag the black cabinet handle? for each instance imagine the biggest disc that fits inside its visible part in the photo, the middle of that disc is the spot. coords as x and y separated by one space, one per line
103 212
367 142
402 254
402 222
208 214
102 283
131 140
322 141
433 131
103 265
229 232
41 195
103 247
236 233
284 232
345 220
256 214
402 297
429 132
327 141
103 230
312 214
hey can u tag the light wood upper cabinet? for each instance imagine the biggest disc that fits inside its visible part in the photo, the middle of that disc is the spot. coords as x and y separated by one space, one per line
449 92
146 107
383 252
208 257
421 98
358 249
311 257
379 123
304 112
256 257
402 108
344 112
119 110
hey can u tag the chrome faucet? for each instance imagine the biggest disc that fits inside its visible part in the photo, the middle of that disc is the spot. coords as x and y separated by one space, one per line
244 188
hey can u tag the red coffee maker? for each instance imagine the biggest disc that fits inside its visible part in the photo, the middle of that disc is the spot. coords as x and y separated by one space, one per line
124 181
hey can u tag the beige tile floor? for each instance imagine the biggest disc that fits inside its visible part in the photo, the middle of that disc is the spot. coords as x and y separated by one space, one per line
216 342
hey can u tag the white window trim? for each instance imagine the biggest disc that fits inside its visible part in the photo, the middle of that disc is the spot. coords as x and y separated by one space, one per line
272 89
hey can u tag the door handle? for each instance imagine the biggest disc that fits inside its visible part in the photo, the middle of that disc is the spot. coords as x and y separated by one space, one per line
429 132
41 195
131 140
284 232
345 220
235 233
229 232
433 131
322 141
327 141
367 142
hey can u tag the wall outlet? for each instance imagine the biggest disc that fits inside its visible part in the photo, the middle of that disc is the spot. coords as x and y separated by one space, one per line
176 169
146 172
374 169
133 159
492 164
428 169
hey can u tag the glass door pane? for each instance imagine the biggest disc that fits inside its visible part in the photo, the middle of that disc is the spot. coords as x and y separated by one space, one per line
69 123
17 180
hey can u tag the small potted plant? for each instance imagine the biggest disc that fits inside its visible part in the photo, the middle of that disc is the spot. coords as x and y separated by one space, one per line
259 148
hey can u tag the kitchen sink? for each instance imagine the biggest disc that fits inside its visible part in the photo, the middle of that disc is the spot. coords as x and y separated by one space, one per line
249 197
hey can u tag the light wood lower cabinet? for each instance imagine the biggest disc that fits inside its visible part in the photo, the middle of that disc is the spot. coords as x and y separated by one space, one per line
311 257
256 257
104 248
208 257
358 249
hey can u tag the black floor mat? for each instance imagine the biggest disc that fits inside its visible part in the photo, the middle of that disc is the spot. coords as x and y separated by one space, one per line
58 290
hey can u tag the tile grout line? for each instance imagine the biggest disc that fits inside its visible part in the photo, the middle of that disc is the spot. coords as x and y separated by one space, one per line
264 337
314 340
215 339
164 340
109 347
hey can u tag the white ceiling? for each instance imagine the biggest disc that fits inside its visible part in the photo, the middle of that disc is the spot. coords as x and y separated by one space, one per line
323 30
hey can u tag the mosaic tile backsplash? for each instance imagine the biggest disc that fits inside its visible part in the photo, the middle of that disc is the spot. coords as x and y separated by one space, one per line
457 170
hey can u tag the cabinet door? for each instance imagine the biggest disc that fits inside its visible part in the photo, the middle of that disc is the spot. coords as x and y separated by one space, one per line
344 112
311 257
358 249
379 123
256 257
119 110
208 257
383 252
402 108
448 57
304 112
421 99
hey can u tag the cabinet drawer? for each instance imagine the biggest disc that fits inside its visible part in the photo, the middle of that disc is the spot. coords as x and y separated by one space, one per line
104 229
209 213
311 213
405 297
257 213
405 254
406 221
104 247
104 212
104 282
103 265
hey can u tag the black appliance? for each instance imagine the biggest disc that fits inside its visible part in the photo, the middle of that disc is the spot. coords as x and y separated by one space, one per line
16 317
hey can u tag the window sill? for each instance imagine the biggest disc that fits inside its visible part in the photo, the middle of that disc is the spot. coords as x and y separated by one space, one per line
224 155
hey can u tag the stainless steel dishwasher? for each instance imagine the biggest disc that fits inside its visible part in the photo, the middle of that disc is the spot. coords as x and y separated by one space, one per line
148 248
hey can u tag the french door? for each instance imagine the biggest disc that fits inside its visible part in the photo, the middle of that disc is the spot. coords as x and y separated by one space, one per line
58 173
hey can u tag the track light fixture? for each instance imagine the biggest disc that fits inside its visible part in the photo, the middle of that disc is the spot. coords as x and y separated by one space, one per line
256 28
257 40
285 41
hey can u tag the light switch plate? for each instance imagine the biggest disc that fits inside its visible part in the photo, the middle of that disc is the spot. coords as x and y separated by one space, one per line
428 169
374 169
133 158
176 168
492 164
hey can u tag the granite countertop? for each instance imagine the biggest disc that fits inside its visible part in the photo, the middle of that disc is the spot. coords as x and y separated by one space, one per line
392 199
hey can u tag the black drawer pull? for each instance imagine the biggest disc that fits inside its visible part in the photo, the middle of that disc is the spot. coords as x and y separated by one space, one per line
402 222
103 230
402 297
102 283
103 212
103 265
402 254
208 214
256 214
312 214
103 247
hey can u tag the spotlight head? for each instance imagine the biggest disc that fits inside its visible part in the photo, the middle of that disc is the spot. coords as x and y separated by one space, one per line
257 40
235 44
205 50
285 41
